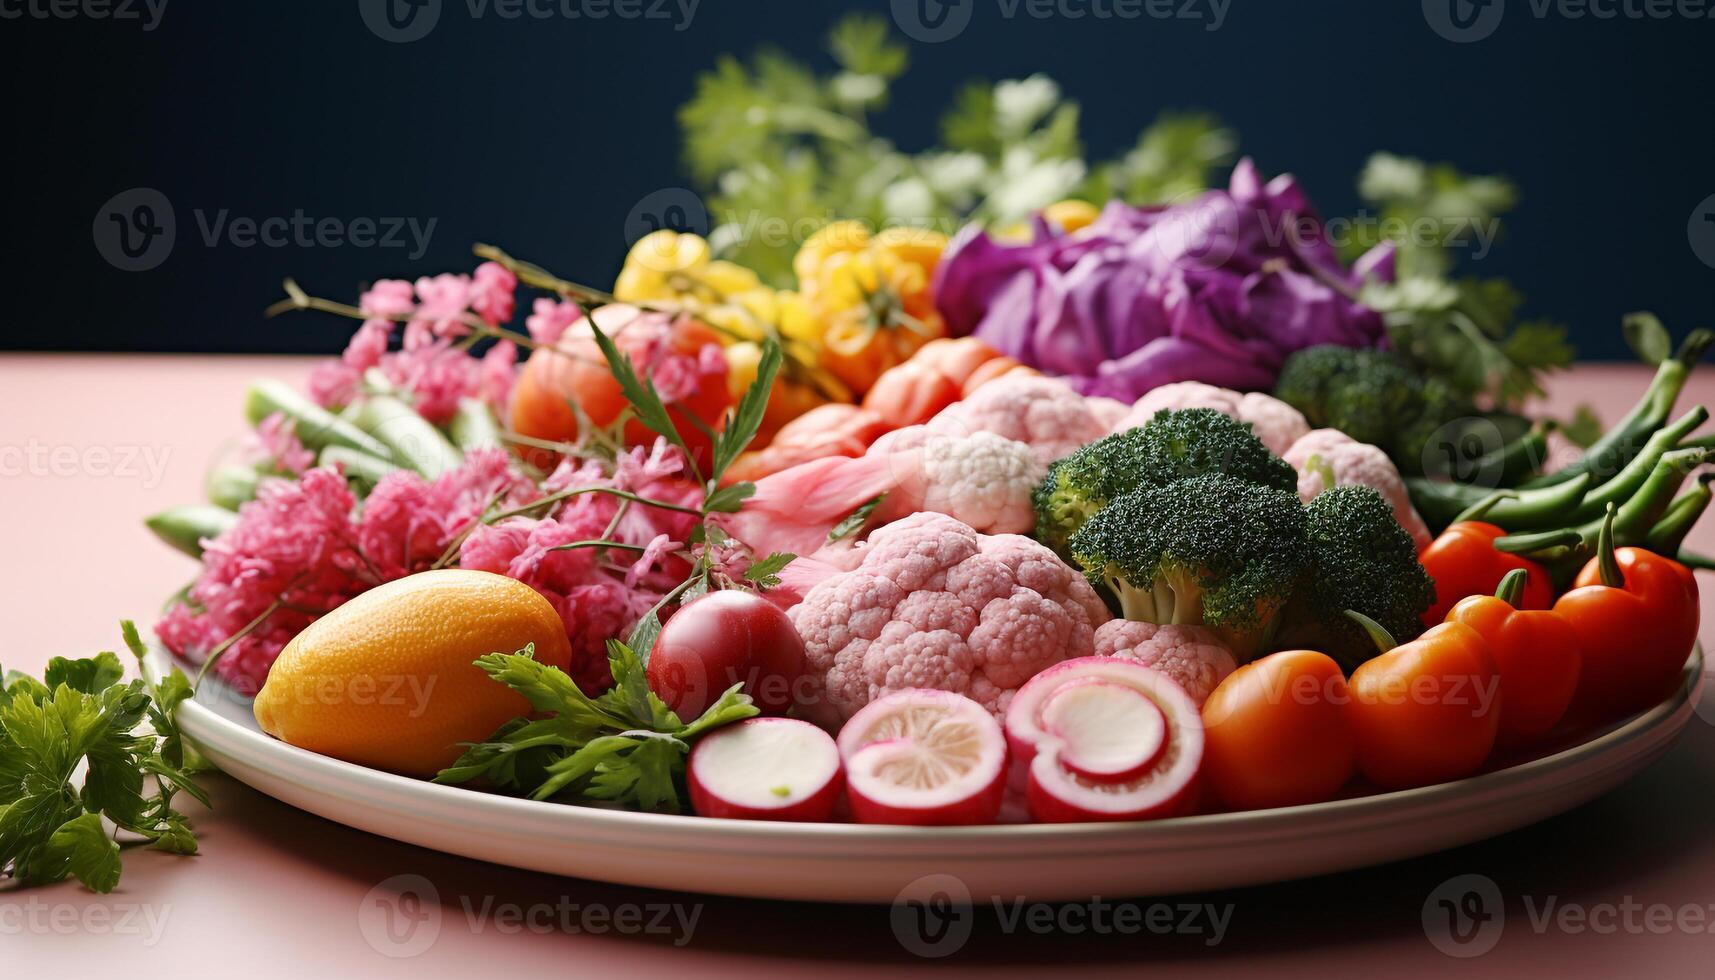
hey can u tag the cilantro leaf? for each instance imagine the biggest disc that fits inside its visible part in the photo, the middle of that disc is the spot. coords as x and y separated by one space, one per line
85 717
80 846
765 572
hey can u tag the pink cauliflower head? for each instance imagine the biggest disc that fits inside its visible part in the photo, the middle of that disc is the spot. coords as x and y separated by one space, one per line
1191 655
1322 453
935 604
1043 413
1275 422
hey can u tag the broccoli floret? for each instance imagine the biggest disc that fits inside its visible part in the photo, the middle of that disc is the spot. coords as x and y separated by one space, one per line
1373 396
1308 376
1360 559
1213 550
1175 444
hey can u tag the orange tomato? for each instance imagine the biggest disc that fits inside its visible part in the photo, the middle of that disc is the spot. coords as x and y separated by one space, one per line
990 370
955 357
1426 711
835 429
576 373
1276 732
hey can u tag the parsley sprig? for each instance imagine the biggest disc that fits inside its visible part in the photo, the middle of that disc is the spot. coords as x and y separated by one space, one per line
80 715
623 747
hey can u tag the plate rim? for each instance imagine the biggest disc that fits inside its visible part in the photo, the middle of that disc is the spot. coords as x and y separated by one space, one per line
329 775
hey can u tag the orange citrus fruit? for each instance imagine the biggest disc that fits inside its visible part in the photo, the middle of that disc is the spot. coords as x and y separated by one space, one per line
388 680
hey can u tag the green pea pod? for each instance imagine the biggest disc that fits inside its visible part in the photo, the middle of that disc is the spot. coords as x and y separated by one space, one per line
1441 503
475 427
186 527
1609 454
1625 484
231 485
1566 550
361 469
316 426
407 438
1682 515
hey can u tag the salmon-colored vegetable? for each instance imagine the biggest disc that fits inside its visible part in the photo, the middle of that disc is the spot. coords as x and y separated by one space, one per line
1276 732
1426 711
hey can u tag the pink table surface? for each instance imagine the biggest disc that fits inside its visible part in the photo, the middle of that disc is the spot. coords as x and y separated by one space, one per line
89 445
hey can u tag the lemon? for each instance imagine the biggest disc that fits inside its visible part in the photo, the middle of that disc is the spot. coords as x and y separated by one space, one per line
388 680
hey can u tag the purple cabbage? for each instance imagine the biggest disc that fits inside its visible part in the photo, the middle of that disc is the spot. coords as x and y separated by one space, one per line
1219 289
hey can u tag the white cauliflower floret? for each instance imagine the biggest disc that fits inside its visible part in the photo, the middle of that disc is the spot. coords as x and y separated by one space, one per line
982 479
1329 452
934 604
1275 422
1191 655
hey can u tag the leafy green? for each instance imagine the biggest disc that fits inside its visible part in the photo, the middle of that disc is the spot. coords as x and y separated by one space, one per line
1463 331
624 747
84 715
765 571
854 522
779 146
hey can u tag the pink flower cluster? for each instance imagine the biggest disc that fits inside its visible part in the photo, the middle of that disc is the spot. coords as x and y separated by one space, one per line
428 365
303 547
274 446
599 593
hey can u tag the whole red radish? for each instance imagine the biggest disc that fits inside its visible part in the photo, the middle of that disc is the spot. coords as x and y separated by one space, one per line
721 639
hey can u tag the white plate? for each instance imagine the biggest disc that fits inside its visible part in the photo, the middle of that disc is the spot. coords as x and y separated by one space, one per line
852 863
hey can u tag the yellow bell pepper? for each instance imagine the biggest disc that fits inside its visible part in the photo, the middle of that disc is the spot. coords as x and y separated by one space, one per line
867 297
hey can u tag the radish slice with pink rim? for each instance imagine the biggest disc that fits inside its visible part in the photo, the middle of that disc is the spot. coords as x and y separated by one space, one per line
1111 732
765 769
1071 745
924 758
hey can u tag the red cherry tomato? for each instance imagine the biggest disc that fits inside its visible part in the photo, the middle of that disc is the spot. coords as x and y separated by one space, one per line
721 639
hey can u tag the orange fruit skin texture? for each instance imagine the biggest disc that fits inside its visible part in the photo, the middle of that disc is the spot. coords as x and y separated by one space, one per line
387 680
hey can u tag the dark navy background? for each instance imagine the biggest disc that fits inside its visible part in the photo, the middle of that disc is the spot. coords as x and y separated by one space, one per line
543 134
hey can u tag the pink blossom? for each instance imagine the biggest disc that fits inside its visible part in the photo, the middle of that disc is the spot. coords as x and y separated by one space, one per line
654 553
388 298
437 376
274 445
443 300
491 293
368 345
333 383
499 371
549 319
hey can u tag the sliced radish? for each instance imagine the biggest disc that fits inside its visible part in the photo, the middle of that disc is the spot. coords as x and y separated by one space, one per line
1111 732
765 769
924 758
1078 742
